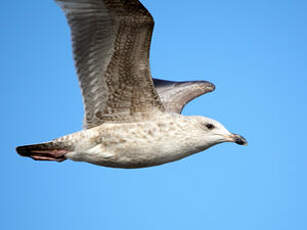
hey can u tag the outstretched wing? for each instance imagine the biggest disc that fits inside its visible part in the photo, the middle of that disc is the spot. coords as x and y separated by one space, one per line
175 95
111 42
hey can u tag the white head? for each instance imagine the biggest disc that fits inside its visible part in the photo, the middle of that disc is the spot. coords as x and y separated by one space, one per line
211 132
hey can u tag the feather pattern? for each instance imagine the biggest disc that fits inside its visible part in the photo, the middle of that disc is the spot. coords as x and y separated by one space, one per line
175 95
111 42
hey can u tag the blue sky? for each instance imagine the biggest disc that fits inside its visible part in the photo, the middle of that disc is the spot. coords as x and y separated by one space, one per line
256 54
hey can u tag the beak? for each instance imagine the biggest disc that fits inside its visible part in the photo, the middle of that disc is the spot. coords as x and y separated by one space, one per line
238 139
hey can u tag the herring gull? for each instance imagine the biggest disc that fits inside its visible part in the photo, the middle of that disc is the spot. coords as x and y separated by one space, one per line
131 120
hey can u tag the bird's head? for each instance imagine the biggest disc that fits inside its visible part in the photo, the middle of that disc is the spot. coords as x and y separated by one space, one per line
213 132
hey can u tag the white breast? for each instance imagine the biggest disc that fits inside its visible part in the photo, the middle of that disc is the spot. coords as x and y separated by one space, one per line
137 145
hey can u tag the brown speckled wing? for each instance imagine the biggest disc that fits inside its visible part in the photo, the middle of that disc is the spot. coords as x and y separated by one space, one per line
111 42
175 95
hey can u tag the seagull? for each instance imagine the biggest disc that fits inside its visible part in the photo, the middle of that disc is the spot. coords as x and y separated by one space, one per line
131 119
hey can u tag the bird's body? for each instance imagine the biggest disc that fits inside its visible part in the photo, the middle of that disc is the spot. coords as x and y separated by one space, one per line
139 144
131 120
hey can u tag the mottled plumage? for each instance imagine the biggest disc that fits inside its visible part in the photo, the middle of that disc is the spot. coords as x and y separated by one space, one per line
131 120
175 95
111 42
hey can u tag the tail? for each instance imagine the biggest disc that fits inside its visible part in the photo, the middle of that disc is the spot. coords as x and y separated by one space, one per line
48 151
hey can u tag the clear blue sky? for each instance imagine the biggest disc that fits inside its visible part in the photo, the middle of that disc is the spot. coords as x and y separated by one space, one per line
256 54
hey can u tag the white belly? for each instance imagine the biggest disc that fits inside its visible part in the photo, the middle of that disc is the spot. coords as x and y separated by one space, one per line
135 145
137 156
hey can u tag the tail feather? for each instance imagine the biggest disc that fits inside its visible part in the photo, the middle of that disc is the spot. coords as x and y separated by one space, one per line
45 152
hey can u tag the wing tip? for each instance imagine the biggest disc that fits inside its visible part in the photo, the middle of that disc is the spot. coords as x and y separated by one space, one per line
205 86
208 86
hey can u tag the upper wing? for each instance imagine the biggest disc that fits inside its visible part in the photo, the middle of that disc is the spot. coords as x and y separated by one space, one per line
111 42
175 95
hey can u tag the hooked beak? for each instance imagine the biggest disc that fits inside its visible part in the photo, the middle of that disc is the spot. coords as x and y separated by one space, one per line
238 139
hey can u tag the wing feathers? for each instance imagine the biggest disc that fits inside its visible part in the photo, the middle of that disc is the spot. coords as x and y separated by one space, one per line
175 95
111 41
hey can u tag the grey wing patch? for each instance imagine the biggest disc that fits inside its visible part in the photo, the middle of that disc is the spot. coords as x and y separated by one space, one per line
175 95
111 42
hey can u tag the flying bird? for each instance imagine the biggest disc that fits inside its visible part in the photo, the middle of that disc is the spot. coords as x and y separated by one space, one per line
131 119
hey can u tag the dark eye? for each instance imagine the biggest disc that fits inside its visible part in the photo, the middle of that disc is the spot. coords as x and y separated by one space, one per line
210 126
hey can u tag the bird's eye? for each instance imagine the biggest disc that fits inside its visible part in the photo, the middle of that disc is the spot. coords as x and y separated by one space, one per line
210 126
